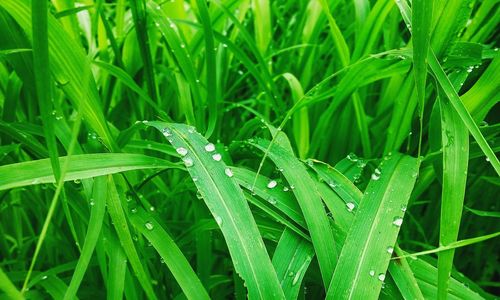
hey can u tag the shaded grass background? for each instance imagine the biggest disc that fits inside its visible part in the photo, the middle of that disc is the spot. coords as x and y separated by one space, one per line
346 81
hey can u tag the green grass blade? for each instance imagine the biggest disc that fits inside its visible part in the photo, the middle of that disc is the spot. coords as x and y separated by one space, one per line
80 167
421 25
365 256
226 202
455 143
462 112
310 203
170 253
291 260
43 83
405 278
98 208
115 210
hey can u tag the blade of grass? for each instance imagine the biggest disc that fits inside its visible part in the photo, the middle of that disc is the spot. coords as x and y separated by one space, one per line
8 287
79 167
310 203
228 206
170 253
455 143
365 256
291 260
98 207
119 219
421 25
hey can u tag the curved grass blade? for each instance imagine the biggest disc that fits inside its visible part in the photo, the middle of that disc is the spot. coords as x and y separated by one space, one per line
309 200
228 205
80 167
170 253
365 256
291 260
98 208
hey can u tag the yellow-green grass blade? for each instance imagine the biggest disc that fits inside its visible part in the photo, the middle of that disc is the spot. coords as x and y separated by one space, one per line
309 200
262 24
170 253
119 219
69 66
97 211
8 287
79 167
365 256
455 143
421 31
226 201
291 260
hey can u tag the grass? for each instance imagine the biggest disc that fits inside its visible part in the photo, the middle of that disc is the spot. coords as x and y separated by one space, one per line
260 149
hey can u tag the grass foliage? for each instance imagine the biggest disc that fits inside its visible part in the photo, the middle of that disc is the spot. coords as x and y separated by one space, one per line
249 149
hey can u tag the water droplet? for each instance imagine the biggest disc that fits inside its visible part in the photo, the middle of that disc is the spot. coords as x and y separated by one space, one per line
397 221
44 277
134 210
35 181
217 157
403 208
92 203
152 208
376 174
166 132
290 274
145 122
350 206
272 184
182 151
149 226
195 178
332 184
372 273
285 189
209 147
188 162
296 278
352 157
224 45
272 200
218 220
77 181
390 250
229 172
381 276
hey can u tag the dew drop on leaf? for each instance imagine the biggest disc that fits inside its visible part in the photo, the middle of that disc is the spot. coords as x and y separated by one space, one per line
229 172
350 206
398 221
182 151
381 276
272 184
217 157
209 147
149 226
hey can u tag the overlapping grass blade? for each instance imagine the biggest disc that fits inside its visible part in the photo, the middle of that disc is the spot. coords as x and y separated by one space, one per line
80 167
69 66
98 207
455 143
170 253
119 218
291 259
227 204
370 242
421 32
8 287
310 203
